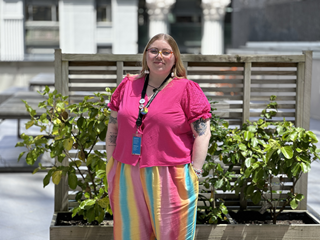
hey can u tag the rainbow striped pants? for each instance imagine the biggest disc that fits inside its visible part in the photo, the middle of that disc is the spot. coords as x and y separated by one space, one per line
153 203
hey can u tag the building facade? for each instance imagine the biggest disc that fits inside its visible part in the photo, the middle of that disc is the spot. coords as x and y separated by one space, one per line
32 29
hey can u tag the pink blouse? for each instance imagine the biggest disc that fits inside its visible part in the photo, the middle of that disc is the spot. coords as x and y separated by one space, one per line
167 138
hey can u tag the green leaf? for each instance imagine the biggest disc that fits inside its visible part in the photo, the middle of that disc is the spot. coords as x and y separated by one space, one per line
248 162
90 214
46 179
56 177
225 124
258 176
250 190
20 156
312 136
75 211
218 184
294 204
287 152
248 135
242 147
104 202
72 180
68 143
299 197
256 197
254 142
35 171
29 124
294 136
81 122
86 204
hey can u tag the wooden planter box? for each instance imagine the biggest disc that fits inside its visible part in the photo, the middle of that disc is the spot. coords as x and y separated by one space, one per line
203 232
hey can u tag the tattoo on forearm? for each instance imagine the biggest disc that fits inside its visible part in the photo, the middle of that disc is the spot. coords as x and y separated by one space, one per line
113 138
113 120
200 126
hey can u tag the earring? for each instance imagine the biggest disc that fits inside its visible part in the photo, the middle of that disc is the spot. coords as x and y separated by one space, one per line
146 71
172 74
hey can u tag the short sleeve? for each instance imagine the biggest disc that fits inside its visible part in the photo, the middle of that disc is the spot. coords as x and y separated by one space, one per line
194 103
117 95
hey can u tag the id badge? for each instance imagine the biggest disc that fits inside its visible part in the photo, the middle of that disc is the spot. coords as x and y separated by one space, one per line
136 144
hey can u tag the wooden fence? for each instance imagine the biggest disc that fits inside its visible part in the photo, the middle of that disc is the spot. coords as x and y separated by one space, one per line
241 84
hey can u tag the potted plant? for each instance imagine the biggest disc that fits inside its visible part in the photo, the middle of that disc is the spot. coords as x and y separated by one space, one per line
74 127
266 153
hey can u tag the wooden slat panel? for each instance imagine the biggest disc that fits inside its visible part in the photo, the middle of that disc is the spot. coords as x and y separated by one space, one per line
221 89
274 81
132 63
217 97
279 114
92 80
273 64
267 98
91 63
242 58
228 114
88 89
220 81
93 72
227 106
102 57
273 90
280 73
280 106
215 64
211 72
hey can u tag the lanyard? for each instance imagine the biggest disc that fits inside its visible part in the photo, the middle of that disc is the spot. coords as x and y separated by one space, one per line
143 94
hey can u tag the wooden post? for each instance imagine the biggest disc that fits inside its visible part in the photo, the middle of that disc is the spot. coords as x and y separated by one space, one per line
307 89
61 85
119 72
185 64
246 91
303 115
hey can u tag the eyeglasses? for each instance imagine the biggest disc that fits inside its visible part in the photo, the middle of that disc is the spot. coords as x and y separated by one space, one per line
156 51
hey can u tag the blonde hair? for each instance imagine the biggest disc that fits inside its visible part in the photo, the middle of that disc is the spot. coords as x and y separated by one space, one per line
178 68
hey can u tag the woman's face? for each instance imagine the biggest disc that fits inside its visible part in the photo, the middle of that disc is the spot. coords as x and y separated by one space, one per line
161 62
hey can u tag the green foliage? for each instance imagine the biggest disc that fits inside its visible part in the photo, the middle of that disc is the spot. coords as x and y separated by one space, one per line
78 127
264 150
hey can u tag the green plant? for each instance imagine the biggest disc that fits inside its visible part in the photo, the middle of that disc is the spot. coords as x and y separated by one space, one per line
76 127
267 150
215 176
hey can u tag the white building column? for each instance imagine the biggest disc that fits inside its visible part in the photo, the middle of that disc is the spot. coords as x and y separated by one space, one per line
212 38
158 16
77 24
125 26
11 30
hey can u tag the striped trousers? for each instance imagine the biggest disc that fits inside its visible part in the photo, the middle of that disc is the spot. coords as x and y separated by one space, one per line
154 202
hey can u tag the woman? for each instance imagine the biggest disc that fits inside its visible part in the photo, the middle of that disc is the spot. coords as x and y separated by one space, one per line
157 141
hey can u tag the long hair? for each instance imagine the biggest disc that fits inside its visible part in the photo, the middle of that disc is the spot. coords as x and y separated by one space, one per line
178 69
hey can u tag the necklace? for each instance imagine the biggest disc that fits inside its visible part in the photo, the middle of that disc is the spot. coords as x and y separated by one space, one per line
154 88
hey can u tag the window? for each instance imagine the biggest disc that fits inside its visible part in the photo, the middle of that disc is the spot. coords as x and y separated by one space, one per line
41 27
42 10
103 11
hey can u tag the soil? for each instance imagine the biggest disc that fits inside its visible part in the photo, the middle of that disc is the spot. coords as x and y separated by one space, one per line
65 219
240 217
285 218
